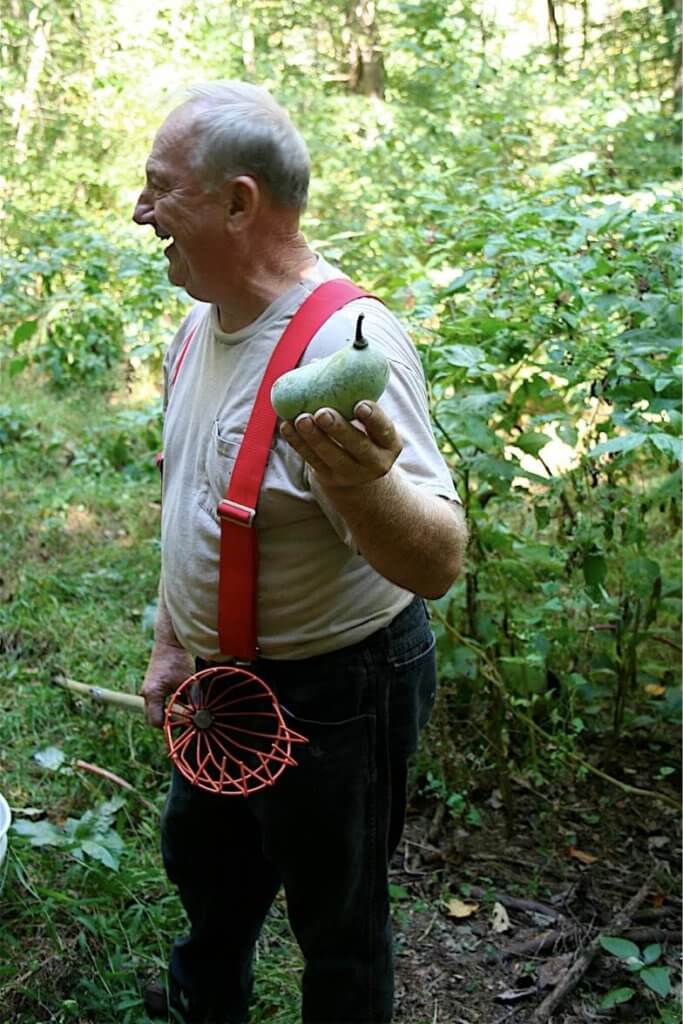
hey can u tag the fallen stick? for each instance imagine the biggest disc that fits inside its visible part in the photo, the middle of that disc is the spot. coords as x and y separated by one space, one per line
577 970
652 935
102 695
544 942
517 903
104 773
556 938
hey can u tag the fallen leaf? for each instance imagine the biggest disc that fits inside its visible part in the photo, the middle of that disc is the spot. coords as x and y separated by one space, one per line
655 690
458 908
550 971
585 858
513 995
51 758
500 922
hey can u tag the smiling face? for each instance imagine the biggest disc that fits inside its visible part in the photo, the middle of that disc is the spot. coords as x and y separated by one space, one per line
176 205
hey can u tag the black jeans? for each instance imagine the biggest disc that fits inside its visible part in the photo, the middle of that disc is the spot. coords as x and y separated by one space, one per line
325 831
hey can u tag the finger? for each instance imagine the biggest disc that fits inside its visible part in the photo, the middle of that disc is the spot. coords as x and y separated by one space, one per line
325 448
300 446
380 428
154 709
355 442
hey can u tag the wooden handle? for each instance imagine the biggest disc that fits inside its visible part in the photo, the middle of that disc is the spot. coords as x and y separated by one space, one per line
102 695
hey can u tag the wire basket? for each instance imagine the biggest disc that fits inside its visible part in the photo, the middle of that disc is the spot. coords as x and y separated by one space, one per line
226 733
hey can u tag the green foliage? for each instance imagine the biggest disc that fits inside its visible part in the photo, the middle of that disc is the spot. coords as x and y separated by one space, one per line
91 835
521 212
641 963
78 299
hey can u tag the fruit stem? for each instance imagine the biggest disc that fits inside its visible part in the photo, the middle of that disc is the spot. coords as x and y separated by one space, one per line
359 341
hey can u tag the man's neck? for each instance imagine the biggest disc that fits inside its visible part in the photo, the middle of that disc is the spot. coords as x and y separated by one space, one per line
261 284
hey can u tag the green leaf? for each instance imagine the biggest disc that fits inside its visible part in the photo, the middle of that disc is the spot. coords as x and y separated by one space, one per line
473 817
653 952
398 892
594 569
23 332
459 283
40 833
17 365
51 758
542 516
622 948
617 445
617 996
531 442
657 978
668 444
100 853
464 355
641 574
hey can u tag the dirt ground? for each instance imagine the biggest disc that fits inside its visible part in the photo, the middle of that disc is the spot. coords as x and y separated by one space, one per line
534 900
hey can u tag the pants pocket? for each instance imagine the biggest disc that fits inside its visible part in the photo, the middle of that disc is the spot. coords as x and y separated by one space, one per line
412 694
339 749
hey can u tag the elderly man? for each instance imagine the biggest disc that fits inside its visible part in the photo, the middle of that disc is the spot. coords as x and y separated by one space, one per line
357 523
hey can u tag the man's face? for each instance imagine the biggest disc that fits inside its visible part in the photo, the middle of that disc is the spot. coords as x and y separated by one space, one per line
176 205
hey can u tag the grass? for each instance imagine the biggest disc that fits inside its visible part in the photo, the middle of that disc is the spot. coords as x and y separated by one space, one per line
80 562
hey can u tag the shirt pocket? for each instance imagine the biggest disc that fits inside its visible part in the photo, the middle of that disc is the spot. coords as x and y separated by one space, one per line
218 466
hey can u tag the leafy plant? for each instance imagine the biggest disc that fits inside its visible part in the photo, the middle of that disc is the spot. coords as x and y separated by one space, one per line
643 964
92 835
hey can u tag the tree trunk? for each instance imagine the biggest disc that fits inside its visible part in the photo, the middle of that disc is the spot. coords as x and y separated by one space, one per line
673 15
365 58
555 33
248 45
585 30
23 114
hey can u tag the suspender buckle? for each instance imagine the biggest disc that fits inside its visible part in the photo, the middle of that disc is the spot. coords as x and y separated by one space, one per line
240 515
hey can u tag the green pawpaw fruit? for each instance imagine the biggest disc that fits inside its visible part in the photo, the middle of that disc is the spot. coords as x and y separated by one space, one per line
339 381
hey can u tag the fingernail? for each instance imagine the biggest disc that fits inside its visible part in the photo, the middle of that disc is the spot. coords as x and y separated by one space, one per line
304 423
324 418
362 409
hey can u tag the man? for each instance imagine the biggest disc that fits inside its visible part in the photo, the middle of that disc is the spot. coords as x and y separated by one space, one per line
353 520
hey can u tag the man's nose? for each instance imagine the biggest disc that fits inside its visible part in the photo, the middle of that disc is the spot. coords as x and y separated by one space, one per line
144 210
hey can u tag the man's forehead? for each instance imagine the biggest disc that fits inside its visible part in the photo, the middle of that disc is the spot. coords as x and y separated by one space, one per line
170 143
178 124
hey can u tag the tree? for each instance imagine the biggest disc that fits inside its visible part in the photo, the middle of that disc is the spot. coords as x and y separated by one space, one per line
365 57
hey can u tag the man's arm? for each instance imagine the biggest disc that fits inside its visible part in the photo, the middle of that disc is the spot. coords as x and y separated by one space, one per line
169 665
412 537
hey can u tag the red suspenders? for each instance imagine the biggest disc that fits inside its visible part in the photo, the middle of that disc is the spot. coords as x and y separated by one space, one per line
238 573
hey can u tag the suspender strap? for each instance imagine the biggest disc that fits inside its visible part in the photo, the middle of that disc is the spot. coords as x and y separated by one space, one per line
238 573
181 358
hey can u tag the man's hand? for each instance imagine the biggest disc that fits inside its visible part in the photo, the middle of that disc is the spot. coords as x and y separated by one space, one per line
168 667
412 537
344 455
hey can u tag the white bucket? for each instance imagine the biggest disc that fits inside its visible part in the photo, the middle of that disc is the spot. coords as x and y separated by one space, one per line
5 822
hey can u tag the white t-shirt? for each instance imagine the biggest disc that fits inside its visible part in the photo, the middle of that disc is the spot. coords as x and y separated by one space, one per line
316 593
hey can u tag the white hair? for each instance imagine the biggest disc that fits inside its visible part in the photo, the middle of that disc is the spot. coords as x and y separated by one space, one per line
240 129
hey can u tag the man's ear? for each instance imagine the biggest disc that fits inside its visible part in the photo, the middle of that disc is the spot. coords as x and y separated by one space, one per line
241 200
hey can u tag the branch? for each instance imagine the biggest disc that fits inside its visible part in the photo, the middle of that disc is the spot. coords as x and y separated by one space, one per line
104 773
103 696
573 975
